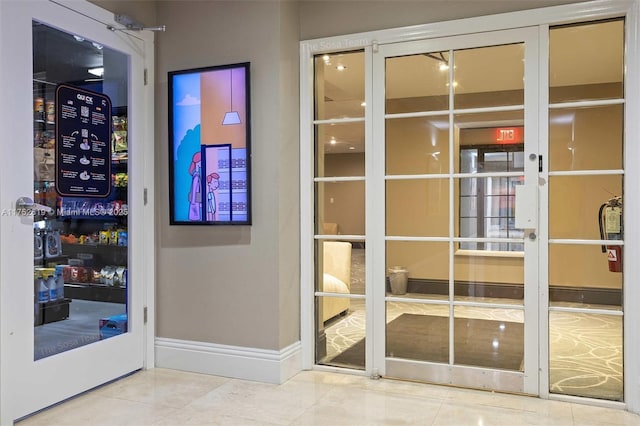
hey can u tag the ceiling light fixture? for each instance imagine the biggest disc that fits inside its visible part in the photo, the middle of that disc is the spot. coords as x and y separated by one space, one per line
341 67
363 104
444 63
78 38
98 71
97 45
333 140
231 117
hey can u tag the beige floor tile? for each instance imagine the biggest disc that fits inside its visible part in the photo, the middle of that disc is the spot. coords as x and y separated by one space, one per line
347 405
163 387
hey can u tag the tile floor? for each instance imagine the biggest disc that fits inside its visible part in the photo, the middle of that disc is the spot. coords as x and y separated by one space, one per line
171 398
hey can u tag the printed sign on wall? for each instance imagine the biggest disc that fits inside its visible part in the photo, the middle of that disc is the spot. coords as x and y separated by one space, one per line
83 143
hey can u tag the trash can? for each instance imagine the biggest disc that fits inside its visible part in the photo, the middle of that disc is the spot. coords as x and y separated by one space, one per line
398 277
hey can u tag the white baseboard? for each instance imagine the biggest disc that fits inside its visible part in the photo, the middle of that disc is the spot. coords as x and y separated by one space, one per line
260 365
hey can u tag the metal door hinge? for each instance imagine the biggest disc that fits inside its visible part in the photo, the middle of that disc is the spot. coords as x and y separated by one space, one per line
146 76
144 196
144 314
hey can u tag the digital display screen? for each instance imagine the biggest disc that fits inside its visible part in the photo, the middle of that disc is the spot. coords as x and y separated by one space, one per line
209 146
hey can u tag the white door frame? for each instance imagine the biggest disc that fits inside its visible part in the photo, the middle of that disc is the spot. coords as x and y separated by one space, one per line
16 322
600 9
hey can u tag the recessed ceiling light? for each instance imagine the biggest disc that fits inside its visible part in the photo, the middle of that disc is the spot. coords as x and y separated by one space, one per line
444 67
352 147
341 67
326 58
363 104
333 141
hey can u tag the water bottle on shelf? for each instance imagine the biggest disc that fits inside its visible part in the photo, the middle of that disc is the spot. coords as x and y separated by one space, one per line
43 291
52 285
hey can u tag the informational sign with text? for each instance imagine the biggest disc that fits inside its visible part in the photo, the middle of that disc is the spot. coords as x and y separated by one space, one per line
83 143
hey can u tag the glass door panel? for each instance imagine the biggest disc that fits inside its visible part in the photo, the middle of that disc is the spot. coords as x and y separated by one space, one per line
450 220
81 238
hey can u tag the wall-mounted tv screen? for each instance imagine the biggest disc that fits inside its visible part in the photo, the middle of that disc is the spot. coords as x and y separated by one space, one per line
209 146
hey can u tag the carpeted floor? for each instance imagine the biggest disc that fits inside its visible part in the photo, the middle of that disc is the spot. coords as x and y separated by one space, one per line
478 342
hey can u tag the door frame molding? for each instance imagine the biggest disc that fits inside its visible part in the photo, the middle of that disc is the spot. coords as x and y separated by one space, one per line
369 41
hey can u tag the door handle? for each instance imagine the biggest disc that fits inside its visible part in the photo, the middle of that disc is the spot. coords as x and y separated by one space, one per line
25 206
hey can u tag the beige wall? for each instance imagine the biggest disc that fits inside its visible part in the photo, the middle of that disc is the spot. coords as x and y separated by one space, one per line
324 18
210 278
232 285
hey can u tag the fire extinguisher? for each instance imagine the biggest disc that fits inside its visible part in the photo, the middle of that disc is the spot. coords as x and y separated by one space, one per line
611 228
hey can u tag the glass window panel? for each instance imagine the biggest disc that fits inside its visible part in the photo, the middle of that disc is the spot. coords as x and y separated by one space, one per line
417 83
417 207
340 340
494 215
488 130
574 202
340 149
340 267
339 85
586 138
586 62
491 279
417 332
417 145
468 160
489 337
468 187
585 355
505 65
426 264
579 276
340 208
468 207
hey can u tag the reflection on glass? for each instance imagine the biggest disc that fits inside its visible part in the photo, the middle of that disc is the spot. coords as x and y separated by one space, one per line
417 267
417 83
505 65
579 275
417 332
574 202
586 61
417 207
492 279
586 138
339 85
341 268
417 145
487 210
340 208
489 337
341 339
80 249
340 149
585 355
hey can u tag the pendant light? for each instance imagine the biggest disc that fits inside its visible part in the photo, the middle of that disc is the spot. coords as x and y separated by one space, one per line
231 117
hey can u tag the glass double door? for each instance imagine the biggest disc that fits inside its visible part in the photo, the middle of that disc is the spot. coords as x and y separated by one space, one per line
457 124
483 213
72 302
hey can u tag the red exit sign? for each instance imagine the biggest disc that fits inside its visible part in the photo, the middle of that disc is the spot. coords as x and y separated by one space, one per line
508 135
